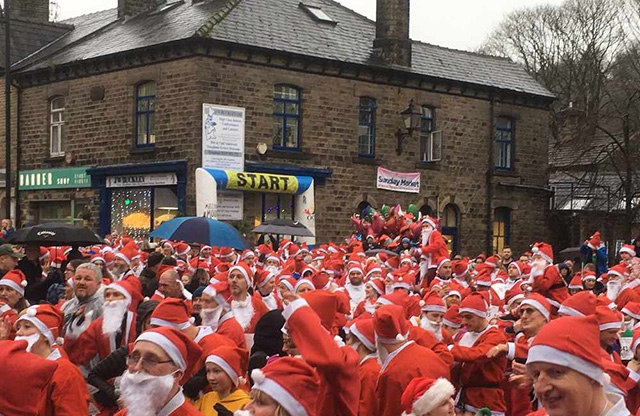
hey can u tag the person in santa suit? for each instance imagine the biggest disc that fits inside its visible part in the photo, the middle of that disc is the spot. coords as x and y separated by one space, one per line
545 277
309 321
67 392
216 313
428 397
433 311
265 285
620 288
123 260
151 384
12 290
401 359
373 289
433 246
285 387
515 271
452 323
442 277
509 321
115 328
170 285
354 285
361 337
567 371
610 324
479 376
247 309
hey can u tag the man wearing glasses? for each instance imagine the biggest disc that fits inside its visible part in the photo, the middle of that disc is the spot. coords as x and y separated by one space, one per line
151 383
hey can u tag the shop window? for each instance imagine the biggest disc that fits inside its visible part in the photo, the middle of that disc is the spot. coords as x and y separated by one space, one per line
504 143
501 228
145 114
277 206
69 212
165 205
131 211
367 127
56 126
286 117
449 224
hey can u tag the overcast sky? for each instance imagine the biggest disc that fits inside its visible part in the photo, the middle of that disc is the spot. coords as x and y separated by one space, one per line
460 24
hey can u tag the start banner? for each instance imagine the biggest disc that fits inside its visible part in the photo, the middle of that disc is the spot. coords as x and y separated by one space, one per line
398 181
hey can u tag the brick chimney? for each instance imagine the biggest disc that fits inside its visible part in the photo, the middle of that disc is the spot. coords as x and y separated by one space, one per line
131 8
392 44
30 9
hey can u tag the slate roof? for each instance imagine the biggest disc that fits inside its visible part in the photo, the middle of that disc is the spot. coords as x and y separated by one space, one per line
580 152
280 25
29 36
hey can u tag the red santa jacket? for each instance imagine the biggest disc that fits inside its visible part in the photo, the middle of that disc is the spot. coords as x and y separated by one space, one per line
403 365
368 372
551 285
435 247
339 392
625 296
67 392
230 328
426 339
480 376
93 342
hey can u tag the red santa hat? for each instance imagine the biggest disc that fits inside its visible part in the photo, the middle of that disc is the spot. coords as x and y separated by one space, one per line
97 257
225 252
44 253
432 302
288 281
608 319
246 254
390 324
220 293
580 304
7 311
543 250
46 318
452 317
422 395
512 295
431 221
291 382
232 360
492 261
363 330
576 282
588 275
181 249
406 258
619 270
181 349
632 309
635 341
16 280
401 280
629 249
274 257
355 268
594 241
304 281
539 303
172 313
128 253
128 288
484 278
475 304
518 265
321 279
246 272
460 267
440 261
262 277
325 304
571 342
377 285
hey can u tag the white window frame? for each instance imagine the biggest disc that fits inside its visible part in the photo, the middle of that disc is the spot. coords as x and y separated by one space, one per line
56 127
433 137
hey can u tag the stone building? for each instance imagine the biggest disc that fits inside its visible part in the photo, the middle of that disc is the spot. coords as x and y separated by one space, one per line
111 119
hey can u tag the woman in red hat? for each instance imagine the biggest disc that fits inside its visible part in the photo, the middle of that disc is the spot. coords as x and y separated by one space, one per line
67 392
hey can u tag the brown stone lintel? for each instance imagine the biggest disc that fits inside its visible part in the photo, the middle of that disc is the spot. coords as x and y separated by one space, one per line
429 165
365 160
142 150
290 154
54 159
506 173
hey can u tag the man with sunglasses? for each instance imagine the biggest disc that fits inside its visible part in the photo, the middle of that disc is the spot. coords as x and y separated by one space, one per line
151 383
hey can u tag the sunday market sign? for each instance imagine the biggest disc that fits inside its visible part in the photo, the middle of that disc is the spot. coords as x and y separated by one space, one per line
398 181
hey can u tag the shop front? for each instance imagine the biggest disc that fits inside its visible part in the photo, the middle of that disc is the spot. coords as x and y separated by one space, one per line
134 199
57 195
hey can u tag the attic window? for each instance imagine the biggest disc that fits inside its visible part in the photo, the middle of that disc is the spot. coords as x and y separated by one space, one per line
166 7
317 13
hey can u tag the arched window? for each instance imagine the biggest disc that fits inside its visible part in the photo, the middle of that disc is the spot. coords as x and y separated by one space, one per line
501 228
145 114
362 206
449 224
426 210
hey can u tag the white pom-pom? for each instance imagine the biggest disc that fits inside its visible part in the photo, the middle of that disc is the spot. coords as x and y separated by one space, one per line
535 250
60 341
32 311
242 380
24 283
192 320
257 376
146 299
339 341
400 279
422 303
400 337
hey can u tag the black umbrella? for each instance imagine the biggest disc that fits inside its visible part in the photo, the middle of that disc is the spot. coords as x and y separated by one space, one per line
55 234
283 227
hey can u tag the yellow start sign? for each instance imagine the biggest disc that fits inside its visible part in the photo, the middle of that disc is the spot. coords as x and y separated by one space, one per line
262 182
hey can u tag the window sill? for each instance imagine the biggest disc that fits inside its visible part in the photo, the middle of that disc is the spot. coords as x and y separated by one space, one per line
54 159
506 173
429 165
290 154
361 160
142 150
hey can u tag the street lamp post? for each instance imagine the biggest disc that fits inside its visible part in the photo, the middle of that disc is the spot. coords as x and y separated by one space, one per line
7 105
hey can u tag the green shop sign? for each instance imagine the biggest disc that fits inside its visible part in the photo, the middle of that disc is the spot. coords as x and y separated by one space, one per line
54 179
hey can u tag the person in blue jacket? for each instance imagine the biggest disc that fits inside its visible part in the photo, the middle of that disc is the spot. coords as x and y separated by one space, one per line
594 251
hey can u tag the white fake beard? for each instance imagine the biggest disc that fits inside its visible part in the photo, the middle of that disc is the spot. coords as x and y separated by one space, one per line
274 269
425 236
431 326
112 314
243 311
31 340
243 413
613 289
388 289
144 394
211 316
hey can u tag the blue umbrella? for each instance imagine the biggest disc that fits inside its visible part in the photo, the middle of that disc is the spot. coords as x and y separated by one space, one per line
200 230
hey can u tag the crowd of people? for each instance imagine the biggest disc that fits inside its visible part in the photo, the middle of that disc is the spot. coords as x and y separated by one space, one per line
386 324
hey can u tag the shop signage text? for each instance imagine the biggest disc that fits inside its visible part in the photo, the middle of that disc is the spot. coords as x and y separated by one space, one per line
54 179
135 181
262 182
398 181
